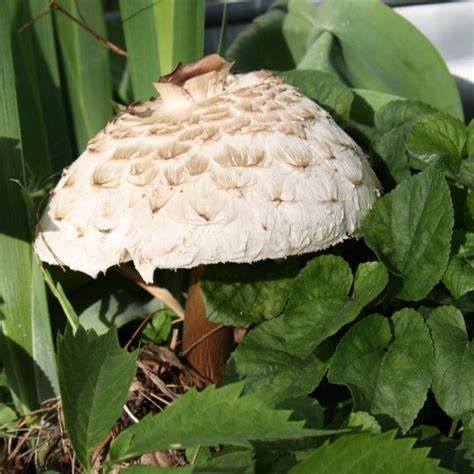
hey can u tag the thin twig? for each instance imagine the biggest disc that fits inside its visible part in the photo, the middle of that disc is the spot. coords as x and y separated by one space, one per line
137 331
54 5
198 341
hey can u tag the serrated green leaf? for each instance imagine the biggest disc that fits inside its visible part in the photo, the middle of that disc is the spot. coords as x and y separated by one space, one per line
364 421
209 418
470 139
437 140
387 370
239 294
369 37
453 381
410 231
275 40
320 304
270 370
449 451
326 89
94 378
363 453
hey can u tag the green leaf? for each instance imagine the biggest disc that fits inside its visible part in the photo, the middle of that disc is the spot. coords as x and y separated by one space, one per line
320 304
459 276
275 40
438 140
326 89
160 35
86 67
26 345
236 420
239 294
49 87
364 421
94 377
270 370
108 306
363 453
388 371
369 37
449 451
410 231
159 328
453 381
7 414
393 123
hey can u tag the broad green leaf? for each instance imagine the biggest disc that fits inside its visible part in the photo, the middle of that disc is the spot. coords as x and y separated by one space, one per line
470 139
94 377
320 302
26 346
449 451
236 420
363 453
275 40
239 294
468 437
388 371
106 307
393 123
438 140
86 67
453 381
466 172
410 231
326 89
369 38
270 370
160 35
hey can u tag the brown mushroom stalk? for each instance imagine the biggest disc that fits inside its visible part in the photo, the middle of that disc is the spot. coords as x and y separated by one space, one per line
221 168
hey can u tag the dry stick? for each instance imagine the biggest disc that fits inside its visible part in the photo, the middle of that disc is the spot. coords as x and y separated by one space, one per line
139 328
54 5
198 341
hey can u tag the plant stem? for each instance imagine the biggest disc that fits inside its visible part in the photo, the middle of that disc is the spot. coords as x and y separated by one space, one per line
453 428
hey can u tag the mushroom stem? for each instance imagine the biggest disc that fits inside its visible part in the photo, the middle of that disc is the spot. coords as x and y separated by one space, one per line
207 345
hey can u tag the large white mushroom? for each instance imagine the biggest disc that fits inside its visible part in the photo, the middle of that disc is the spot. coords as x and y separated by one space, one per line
221 168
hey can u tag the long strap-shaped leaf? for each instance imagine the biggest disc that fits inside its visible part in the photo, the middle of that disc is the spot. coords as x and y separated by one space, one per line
159 35
26 346
87 69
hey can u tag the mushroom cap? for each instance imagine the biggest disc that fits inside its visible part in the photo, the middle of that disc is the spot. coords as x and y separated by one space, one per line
221 168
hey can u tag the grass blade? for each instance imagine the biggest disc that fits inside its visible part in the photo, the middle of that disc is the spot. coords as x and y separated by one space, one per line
26 346
159 35
49 83
86 66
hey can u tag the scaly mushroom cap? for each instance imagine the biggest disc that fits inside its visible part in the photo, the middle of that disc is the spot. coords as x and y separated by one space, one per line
222 168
